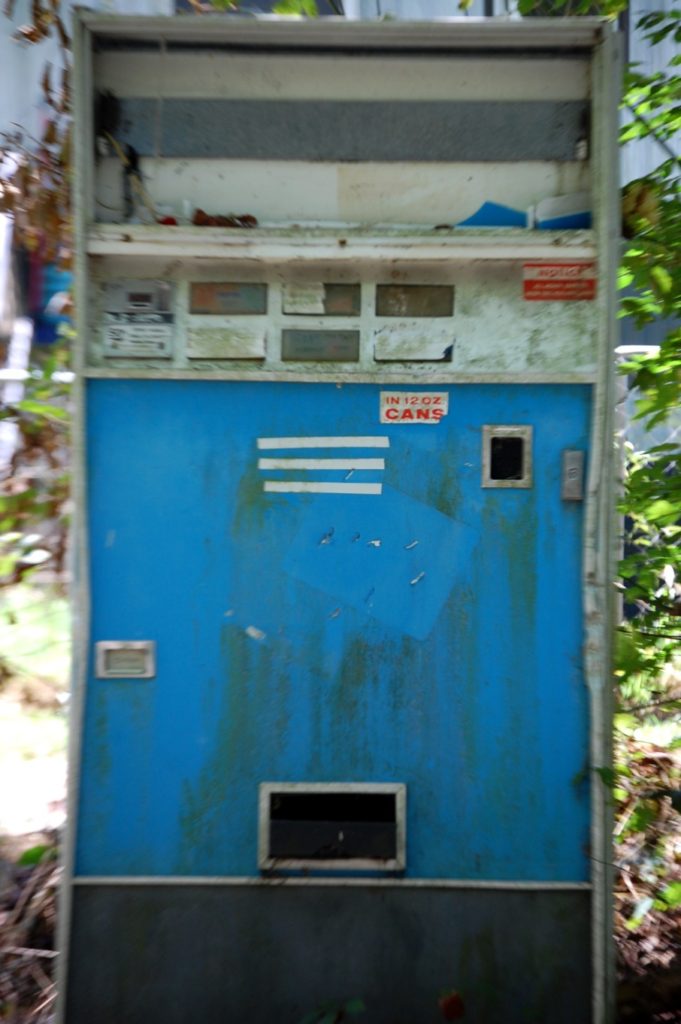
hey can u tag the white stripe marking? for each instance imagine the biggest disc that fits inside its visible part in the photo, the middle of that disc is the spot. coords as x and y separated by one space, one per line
321 463
304 486
323 442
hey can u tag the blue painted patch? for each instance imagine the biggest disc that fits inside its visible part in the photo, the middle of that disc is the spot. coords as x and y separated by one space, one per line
283 658
397 561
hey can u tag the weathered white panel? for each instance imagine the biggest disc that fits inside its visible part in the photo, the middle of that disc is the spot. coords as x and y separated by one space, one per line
426 340
240 76
225 343
307 298
498 331
283 191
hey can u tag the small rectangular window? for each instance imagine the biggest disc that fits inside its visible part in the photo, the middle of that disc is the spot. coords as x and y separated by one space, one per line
227 298
321 299
320 346
507 456
414 300
332 825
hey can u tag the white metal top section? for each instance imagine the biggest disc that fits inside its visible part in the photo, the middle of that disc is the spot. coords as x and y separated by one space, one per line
338 33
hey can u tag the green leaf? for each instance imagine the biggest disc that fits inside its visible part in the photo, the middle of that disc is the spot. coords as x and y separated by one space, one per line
643 816
304 8
45 409
355 1006
36 855
624 277
670 896
661 279
607 776
640 910
662 511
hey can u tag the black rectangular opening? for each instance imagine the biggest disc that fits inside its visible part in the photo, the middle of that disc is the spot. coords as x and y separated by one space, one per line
333 826
507 458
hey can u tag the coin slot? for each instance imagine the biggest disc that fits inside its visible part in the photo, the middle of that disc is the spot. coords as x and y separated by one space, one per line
507 456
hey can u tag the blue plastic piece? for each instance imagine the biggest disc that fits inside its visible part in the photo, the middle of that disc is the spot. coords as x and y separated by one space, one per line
580 221
495 215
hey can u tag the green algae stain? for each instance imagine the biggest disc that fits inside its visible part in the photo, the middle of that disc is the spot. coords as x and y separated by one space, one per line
251 505
234 723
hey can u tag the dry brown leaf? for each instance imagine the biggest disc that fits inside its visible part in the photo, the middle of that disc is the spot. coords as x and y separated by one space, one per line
50 134
64 38
31 33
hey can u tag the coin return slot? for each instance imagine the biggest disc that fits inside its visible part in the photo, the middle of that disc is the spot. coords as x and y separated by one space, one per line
118 659
332 828
507 456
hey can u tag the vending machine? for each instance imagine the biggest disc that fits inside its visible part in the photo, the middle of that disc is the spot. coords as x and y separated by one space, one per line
343 546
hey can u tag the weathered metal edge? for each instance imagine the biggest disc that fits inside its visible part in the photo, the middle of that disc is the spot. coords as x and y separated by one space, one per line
273 880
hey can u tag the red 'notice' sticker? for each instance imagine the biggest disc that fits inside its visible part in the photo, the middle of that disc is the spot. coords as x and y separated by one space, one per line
559 282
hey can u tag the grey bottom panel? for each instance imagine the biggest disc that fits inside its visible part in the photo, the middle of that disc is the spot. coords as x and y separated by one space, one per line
254 955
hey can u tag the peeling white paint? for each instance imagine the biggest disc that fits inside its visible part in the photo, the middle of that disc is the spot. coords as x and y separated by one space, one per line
323 442
351 464
313 487
255 633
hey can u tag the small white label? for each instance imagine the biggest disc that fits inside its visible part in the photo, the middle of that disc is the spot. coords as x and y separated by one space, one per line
303 299
414 406
138 334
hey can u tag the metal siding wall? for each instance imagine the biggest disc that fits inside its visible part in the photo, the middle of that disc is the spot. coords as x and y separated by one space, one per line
467 686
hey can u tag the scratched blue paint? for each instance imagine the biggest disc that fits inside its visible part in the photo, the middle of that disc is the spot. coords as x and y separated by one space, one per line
395 559
466 685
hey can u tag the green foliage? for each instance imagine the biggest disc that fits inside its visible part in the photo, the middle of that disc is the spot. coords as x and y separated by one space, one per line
570 8
34 496
305 8
37 855
670 897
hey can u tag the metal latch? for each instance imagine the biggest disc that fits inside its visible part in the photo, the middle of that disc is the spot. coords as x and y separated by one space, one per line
572 476
125 659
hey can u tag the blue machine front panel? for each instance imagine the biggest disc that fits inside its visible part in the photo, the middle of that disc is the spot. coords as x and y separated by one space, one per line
428 634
